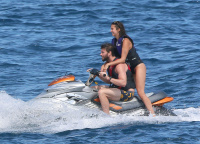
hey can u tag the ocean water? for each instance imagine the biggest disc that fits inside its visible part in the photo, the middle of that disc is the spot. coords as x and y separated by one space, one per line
41 40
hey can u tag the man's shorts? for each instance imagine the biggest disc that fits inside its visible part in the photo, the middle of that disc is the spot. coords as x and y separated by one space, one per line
126 95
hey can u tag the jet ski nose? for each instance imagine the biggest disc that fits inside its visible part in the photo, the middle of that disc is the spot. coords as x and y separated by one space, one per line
62 79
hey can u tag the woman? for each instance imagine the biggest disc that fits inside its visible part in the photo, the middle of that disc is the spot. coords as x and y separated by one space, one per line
126 50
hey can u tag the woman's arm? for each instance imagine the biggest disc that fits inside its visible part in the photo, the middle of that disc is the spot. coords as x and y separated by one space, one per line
127 45
103 67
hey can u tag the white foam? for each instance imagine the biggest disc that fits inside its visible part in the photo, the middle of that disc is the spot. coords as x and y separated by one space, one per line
19 117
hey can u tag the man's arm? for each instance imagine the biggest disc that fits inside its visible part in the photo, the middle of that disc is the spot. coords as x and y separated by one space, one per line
120 69
106 78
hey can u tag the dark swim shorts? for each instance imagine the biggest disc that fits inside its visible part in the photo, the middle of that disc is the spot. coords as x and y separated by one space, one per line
126 95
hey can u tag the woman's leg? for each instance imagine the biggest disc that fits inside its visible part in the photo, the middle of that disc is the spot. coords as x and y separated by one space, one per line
140 77
106 94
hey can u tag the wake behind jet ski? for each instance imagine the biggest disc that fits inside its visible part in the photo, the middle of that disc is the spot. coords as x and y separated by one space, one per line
68 90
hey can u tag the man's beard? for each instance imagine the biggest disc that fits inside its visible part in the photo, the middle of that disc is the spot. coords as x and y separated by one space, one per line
105 59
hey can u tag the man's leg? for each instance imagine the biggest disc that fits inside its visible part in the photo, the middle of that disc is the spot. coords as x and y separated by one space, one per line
106 94
99 86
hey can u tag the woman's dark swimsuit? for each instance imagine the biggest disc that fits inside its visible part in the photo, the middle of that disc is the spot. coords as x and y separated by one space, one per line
132 58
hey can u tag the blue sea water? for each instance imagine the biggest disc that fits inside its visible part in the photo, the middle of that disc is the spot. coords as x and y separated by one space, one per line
41 40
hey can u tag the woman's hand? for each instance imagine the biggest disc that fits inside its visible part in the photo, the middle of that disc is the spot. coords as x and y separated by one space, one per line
106 67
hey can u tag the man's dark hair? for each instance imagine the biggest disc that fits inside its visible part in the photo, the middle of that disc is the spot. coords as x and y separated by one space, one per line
109 47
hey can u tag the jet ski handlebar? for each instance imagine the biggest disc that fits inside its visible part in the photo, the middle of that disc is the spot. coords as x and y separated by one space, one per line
93 74
96 72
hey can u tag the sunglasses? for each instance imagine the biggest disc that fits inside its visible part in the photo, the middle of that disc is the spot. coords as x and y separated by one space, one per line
116 23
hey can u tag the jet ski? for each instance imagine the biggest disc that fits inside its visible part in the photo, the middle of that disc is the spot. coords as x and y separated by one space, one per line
66 89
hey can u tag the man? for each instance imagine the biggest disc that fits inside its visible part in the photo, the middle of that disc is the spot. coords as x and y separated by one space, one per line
119 77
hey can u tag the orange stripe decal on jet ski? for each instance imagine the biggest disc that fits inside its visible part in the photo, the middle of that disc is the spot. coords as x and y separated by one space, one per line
163 101
110 105
97 100
115 106
62 79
